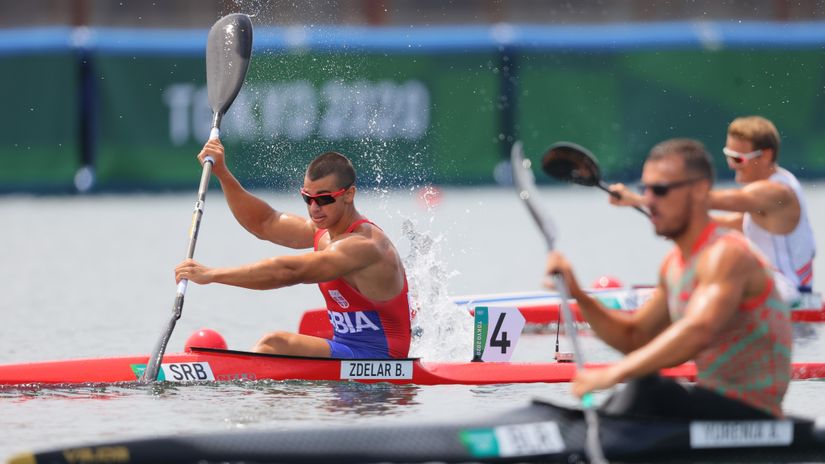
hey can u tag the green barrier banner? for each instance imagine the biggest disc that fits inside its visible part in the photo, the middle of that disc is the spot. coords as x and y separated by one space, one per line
405 117
621 104
403 120
39 147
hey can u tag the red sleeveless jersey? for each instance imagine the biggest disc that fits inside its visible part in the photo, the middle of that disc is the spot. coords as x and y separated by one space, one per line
379 328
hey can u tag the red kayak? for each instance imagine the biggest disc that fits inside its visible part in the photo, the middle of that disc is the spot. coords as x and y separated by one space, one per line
542 308
210 364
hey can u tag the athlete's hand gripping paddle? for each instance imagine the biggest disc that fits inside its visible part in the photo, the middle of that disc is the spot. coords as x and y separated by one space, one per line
228 49
526 189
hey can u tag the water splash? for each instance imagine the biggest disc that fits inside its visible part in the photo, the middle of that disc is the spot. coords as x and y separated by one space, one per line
442 331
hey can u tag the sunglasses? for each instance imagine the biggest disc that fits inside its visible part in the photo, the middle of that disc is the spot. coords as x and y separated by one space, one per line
661 190
322 199
739 158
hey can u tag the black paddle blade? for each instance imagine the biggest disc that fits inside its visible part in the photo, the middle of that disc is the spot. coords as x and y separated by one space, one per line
228 49
572 163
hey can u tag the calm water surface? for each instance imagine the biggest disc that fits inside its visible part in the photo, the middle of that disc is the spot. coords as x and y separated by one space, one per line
92 276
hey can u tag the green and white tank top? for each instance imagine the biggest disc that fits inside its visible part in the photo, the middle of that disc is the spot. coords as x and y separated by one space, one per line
750 359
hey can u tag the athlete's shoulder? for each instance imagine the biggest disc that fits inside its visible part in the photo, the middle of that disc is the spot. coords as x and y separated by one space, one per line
785 175
360 246
729 255
772 186
371 232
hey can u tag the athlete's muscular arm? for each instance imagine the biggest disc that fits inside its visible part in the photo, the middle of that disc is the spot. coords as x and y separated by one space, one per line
758 197
339 259
254 214
726 275
622 330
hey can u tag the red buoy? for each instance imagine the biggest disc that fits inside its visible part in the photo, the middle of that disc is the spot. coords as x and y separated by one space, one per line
607 282
205 338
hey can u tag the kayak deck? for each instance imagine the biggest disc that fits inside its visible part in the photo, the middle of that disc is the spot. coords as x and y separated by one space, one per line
537 432
210 364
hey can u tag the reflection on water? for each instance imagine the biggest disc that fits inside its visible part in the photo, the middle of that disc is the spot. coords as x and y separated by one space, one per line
369 399
20 394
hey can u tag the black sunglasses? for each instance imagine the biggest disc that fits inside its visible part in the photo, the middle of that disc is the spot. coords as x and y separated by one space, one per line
322 199
660 190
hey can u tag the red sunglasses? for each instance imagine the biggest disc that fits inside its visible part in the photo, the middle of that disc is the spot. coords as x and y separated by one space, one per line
322 199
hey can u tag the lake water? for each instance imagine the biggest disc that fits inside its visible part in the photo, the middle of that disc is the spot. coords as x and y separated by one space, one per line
89 276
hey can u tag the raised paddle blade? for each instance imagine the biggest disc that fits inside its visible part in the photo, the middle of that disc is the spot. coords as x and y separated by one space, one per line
572 163
525 183
228 49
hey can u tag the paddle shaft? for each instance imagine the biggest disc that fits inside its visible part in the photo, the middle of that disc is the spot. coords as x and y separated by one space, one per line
197 214
526 186
153 366
546 230
593 448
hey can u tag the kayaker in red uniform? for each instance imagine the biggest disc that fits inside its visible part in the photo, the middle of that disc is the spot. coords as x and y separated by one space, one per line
354 263
715 304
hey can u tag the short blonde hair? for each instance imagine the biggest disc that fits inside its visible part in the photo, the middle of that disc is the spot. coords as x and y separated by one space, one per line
758 130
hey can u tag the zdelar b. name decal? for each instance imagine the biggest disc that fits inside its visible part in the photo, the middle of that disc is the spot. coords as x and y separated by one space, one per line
352 369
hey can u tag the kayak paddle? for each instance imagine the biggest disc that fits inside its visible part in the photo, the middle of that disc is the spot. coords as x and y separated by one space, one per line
228 49
573 163
526 189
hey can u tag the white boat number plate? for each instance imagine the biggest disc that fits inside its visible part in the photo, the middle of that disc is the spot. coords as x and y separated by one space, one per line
381 370
529 439
717 434
507 441
186 372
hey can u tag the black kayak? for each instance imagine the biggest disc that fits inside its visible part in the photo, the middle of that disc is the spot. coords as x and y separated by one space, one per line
537 432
